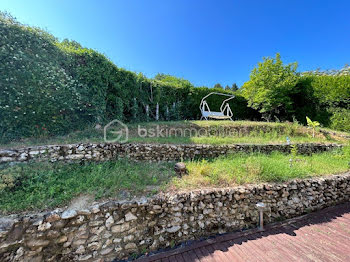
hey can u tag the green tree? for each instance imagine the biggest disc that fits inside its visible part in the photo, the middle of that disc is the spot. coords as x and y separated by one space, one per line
234 87
218 85
270 85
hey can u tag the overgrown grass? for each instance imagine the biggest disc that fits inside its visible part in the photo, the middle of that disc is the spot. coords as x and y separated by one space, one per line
85 136
267 138
277 133
47 185
238 169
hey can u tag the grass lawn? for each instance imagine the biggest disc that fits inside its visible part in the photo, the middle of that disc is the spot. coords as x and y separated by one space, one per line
253 138
277 133
47 185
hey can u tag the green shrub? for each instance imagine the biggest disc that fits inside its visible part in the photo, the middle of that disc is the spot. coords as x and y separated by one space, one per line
340 119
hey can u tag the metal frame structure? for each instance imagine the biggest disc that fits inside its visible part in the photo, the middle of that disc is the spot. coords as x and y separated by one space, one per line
225 110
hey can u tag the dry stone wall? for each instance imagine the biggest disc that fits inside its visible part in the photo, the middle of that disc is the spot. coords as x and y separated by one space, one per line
117 230
141 152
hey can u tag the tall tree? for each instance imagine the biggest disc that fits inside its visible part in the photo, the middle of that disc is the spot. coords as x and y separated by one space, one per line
270 85
218 85
234 87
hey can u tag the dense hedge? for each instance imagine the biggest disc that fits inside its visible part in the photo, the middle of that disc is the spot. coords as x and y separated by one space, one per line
37 94
326 97
50 87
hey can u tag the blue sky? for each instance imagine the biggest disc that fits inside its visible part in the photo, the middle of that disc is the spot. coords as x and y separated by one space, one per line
203 41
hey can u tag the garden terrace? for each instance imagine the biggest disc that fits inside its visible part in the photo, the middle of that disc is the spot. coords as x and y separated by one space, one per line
199 132
44 185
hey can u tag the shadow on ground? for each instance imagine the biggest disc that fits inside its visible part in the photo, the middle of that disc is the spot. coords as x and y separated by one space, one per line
327 226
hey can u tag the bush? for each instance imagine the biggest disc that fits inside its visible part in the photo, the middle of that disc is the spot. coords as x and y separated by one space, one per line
340 119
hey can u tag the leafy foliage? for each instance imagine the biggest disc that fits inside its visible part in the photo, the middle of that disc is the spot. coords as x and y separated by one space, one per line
36 91
172 80
234 87
312 124
340 119
270 86
277 90
332 90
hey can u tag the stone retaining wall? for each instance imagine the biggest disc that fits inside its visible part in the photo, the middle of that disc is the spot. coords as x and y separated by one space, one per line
149 152
115 229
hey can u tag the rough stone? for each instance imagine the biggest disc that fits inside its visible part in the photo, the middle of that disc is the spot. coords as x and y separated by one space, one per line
62 239
37 243
106 251
173 229
157 222
131 246
146 152
130 216
44 226
69 214
109 222
53 217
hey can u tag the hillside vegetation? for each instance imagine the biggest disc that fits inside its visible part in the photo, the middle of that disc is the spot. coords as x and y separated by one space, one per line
50 87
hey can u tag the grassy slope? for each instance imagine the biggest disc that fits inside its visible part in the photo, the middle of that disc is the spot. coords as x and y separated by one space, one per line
257 168
45 185
297 134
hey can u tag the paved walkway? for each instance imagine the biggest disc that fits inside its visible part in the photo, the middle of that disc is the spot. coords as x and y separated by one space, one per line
320 236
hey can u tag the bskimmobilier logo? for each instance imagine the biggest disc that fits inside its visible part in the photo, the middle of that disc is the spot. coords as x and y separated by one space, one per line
116 131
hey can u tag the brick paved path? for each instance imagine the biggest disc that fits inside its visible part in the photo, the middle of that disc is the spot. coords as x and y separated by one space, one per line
320 236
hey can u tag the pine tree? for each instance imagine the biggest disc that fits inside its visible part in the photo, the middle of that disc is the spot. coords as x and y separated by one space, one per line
218 85
234 87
